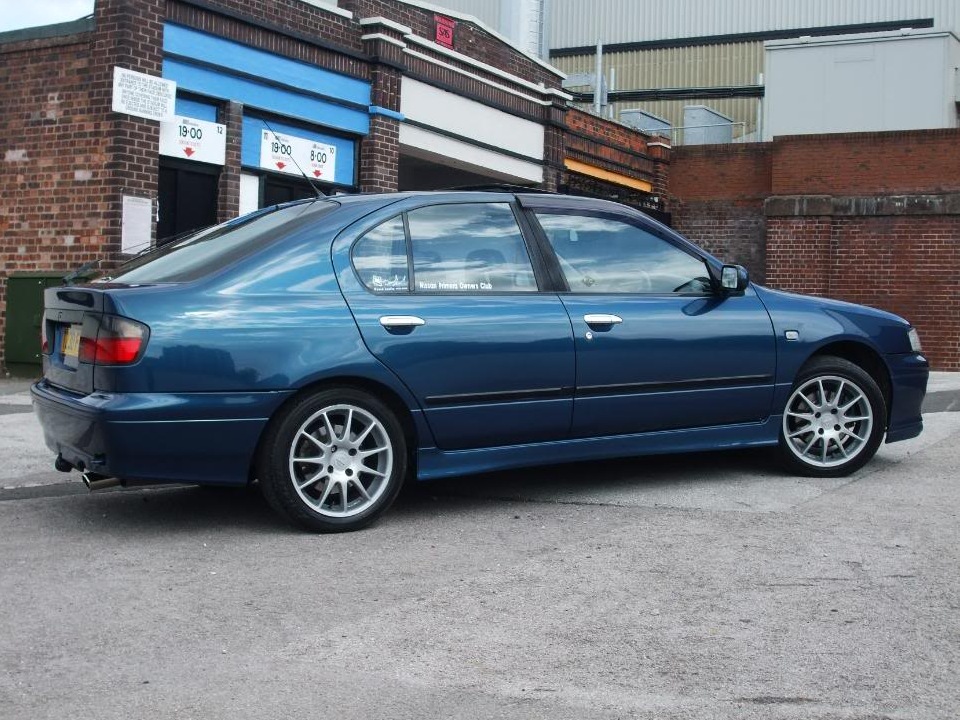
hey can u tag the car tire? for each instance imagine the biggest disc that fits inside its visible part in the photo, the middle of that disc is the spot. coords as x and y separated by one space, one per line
834 419
333 461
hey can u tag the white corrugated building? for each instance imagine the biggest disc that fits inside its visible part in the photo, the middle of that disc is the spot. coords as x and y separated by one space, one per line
769 67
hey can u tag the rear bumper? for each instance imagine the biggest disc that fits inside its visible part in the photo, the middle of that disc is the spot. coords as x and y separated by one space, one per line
908 375
206 438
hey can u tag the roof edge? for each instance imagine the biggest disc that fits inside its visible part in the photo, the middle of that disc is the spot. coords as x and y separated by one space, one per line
42 32
466 17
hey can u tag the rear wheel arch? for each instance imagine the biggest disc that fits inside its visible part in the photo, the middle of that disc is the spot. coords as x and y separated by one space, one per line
384 393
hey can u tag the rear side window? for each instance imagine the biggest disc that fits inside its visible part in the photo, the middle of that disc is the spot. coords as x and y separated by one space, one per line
469 248
202 253
380 258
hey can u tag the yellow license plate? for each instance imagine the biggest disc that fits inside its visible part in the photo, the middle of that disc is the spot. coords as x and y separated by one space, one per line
70 344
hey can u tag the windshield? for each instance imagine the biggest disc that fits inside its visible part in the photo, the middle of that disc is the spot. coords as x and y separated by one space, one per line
208 250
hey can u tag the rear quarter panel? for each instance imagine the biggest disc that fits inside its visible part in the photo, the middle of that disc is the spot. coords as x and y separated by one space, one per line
277 322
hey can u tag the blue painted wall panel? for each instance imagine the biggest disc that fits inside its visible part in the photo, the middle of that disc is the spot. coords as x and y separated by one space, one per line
242 58
196 110
206 81
250 148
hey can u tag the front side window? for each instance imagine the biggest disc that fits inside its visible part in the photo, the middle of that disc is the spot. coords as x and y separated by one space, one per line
469 248
603 255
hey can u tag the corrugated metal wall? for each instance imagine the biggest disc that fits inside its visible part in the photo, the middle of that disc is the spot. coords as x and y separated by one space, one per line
576 23
582 22
731 65
699 66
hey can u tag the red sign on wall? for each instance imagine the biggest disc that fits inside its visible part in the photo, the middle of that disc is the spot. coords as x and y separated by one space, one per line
445 27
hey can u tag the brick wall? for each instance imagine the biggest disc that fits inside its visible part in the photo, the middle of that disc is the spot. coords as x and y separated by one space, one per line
904 263
469 39
867 163
907 264
51 203
128 35
66 159
611 146
716 195
290 28
228 192
872 218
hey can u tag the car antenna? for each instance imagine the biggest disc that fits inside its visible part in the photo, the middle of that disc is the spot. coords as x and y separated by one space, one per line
306 177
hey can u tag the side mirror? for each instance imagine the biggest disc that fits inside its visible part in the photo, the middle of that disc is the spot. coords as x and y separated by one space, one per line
734 278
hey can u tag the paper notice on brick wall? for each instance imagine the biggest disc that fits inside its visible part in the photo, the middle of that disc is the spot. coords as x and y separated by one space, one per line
136 224
143 95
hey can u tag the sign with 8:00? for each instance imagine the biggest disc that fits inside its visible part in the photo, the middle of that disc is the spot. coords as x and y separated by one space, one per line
283 152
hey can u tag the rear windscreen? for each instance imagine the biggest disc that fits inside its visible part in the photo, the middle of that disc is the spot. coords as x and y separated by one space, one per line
208 250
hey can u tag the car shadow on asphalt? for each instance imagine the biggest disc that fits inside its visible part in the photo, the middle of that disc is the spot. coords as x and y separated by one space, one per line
573 482
186 509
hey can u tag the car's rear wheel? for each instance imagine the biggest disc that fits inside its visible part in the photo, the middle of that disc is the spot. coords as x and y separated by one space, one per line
834 420
334 461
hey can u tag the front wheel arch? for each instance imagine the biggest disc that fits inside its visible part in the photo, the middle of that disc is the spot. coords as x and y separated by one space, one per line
865 357
834 419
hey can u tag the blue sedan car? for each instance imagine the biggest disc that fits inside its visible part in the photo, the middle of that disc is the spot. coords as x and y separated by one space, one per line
331 348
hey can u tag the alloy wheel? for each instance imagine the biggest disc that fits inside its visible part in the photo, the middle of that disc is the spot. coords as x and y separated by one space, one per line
828 421
340 460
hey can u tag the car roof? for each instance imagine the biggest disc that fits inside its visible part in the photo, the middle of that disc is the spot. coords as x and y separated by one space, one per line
528 197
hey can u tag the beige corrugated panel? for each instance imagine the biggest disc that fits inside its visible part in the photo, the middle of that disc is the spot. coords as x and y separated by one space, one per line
701 66
581 22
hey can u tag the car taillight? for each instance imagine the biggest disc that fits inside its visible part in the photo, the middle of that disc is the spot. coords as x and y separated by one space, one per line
44 343
119 341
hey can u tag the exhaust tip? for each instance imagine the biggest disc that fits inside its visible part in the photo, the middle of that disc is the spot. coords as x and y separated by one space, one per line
95 481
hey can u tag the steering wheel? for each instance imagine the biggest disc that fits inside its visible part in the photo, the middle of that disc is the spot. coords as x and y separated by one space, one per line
697 284
639 282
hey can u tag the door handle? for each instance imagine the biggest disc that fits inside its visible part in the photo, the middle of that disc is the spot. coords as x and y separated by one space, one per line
401 322
602 319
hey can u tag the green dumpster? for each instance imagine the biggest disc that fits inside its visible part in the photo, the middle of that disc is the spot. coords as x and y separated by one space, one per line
21 340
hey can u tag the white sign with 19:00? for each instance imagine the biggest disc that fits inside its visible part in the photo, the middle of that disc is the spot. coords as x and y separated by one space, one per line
190 139
282 152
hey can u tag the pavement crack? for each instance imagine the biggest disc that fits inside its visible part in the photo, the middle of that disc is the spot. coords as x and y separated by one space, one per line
776 700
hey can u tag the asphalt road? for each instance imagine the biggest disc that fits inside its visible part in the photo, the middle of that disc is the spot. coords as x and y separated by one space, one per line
709 586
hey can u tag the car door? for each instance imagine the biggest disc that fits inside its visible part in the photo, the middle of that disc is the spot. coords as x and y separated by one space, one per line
446 296
657 348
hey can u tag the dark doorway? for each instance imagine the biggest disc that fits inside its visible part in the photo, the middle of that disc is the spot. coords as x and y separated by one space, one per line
419 174
187 199
278 190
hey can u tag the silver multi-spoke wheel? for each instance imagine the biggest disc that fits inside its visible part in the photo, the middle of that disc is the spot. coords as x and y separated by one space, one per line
828 421
334 459
340 460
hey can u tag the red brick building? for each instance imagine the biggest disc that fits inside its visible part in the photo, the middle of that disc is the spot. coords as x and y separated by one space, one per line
872 218
102 157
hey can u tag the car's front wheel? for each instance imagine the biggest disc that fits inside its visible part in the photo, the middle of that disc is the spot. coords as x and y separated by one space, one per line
334 461
834 421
